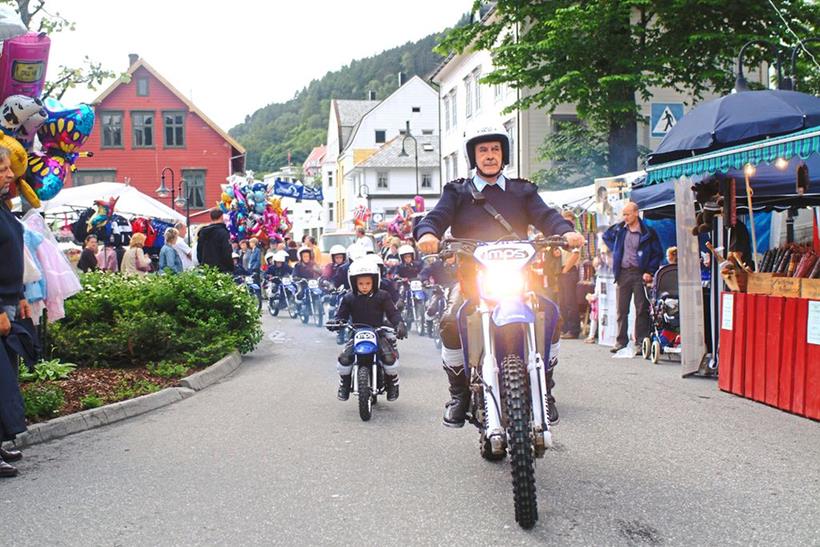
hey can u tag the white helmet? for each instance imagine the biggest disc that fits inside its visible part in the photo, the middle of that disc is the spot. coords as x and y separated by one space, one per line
487 134
305 250
406 250
337 250
235 255
280 256
355 251
270 255
363 267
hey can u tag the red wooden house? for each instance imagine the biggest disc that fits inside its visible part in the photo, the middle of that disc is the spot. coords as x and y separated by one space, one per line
145 125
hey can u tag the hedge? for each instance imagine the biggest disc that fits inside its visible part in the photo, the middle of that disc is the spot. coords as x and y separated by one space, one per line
194 318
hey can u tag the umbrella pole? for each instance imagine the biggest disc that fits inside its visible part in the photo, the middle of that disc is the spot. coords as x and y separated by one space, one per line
751 219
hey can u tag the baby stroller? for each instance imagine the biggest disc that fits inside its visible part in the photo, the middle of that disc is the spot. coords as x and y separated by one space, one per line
664 312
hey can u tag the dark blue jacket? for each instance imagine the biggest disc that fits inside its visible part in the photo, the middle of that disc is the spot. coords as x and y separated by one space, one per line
306 271
650 253
520 204
440 272
22 342
11 265
390 287
407 271
281 271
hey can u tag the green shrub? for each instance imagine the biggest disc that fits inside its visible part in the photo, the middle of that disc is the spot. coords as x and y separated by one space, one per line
194 318
92 400
46 370
42 401
168 369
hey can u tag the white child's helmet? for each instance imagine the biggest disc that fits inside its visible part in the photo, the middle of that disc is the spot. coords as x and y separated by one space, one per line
406 250
280 256
363 267
355 251
337 250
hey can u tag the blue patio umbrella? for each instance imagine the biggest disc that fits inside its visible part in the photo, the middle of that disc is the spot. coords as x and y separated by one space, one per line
736 119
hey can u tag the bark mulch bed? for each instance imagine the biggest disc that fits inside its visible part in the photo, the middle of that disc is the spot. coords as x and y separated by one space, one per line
109 385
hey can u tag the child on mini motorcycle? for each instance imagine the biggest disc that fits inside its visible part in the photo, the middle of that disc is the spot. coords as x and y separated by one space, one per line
306 268
366 304
277 262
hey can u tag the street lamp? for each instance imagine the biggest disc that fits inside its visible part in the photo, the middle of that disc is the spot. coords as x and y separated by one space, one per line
163 192
404 154
740 81
364 192
791 82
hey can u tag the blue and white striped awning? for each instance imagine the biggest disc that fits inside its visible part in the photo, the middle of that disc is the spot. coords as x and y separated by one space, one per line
803 144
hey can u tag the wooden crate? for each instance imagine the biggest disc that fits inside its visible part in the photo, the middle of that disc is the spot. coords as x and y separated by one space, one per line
810 288
759 283
786 286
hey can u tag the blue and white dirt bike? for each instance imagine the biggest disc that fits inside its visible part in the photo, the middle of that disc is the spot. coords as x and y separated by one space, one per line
368 374
252 286
433 312
281 294
311 305
411 292
506 333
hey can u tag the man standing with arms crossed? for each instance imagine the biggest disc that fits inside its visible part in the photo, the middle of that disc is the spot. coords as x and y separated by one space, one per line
461 208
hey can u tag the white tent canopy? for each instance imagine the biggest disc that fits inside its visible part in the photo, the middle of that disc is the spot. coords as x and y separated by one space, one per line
583 196
131 201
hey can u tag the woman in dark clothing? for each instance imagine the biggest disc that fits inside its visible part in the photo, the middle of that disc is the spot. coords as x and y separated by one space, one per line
88 260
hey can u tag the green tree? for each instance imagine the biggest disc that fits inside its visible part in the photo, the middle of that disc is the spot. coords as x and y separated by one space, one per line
37 18
601 55
576 155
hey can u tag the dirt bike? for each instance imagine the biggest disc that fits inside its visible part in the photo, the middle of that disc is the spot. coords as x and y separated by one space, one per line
280 293
506 334
368 374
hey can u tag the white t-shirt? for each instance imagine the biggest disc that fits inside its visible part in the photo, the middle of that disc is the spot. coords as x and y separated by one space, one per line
185 254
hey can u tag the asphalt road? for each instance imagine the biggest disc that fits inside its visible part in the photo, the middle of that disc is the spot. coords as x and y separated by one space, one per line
269 456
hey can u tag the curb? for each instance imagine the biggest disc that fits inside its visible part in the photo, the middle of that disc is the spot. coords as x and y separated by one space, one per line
115 412
214 373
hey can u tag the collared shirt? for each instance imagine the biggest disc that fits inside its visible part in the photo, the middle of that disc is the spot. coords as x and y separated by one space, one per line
632 241
480 183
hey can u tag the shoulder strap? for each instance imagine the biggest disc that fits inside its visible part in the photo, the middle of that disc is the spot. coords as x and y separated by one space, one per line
480 199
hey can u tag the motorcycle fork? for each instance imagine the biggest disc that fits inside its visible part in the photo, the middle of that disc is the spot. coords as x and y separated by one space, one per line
489 378
538 394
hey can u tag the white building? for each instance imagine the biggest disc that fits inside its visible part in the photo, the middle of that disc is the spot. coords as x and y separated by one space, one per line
380 125
306 215
466 105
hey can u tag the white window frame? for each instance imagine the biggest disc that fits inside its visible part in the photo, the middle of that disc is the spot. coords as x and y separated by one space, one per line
454 107
382 175
446 102
510 128
477 91
429 177
468 96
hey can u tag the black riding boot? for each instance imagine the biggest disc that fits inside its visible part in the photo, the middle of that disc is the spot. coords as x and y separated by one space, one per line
391 384
552 410
455 411
344 387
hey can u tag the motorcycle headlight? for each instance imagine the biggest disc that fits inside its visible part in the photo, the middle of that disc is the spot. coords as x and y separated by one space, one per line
497 282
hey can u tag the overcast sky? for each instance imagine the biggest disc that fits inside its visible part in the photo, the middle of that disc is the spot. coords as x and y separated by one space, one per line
237 56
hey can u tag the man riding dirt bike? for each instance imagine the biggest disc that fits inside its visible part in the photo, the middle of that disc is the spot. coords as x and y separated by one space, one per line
490 207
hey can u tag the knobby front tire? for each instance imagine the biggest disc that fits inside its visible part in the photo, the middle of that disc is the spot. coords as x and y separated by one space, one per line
517 410
365 392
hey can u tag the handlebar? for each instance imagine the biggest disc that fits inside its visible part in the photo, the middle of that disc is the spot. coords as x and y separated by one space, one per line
466 247
335 326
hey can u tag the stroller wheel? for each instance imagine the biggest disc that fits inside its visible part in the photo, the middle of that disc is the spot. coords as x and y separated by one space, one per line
645 346
655 352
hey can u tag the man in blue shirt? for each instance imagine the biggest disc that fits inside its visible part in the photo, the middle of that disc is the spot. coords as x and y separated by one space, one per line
517 200
636 256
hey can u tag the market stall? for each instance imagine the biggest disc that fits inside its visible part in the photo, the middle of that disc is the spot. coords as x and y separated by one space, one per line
766 331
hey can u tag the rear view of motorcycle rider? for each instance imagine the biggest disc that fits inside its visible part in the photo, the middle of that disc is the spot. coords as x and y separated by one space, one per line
366 304
463 209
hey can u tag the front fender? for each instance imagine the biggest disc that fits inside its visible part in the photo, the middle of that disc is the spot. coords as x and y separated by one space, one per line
508 312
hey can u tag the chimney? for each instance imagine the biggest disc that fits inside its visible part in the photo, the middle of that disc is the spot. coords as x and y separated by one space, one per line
401 79
371 95
132 58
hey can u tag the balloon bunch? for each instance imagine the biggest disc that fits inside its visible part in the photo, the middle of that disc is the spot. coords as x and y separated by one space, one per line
61 131
105 210
402 224
253 210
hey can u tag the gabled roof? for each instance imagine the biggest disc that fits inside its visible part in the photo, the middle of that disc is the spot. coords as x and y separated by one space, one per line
388 154
191 107
351 111
356 128
315 155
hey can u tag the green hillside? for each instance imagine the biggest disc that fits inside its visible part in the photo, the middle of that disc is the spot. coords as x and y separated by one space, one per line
301 123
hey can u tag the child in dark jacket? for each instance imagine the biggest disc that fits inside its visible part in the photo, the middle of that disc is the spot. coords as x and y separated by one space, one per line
306 268
409 267
366 304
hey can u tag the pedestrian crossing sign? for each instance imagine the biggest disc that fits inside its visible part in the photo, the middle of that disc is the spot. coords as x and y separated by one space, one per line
664 116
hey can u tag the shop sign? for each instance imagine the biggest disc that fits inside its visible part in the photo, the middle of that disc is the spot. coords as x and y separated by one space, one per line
727 311
813 323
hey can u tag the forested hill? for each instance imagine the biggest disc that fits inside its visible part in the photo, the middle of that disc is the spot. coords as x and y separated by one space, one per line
301 123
